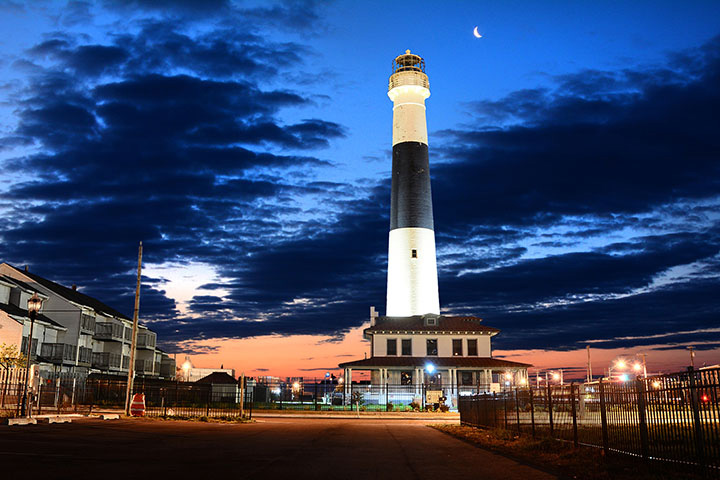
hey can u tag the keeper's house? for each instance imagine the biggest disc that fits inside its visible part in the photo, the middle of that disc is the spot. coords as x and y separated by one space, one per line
433 353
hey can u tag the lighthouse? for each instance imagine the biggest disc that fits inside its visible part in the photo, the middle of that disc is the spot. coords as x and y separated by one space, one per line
412 285
424 355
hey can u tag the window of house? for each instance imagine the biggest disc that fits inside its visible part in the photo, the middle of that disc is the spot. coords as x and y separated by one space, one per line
406 346
457 347
392 346
432 347
413 254
472 347
466 378
406 378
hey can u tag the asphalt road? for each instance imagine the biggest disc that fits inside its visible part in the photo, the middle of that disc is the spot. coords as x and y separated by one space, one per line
270 448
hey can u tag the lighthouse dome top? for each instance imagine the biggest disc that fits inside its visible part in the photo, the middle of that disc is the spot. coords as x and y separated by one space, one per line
408 62
408 69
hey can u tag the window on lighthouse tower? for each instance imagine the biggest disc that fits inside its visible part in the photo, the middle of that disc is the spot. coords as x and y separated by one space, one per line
413 254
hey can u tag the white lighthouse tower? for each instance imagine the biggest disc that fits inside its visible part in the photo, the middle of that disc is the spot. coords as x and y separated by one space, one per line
424 355
412 287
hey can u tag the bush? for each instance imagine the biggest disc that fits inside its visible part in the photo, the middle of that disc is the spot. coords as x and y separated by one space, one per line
444 408
415 406
390 406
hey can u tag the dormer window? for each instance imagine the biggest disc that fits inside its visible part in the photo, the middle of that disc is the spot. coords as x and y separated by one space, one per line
431 321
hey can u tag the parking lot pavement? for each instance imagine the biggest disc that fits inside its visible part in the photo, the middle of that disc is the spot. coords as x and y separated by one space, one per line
294 448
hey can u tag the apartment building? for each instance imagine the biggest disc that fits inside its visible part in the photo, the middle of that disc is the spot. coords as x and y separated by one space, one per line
74 333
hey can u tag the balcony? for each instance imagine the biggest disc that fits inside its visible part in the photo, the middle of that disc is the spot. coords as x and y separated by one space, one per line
144 366
106 360
167 369
146 340
109 331
85 355
58 352
87 323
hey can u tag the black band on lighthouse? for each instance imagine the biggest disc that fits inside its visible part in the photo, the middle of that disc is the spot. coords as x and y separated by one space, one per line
411 201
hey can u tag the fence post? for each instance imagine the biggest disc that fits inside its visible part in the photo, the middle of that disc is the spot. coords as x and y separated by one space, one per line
532 411
505 399
699 441
517 409
574 414
550 407
642 421
603 417
207 404
315 396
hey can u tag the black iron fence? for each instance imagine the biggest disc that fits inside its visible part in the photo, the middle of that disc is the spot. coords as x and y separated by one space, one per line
312 394
68 393
669 417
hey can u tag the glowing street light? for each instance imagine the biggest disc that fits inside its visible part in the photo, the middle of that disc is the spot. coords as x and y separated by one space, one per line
430 368
186 370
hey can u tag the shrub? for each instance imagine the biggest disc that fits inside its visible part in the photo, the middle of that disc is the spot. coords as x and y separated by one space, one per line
390 406
415 406
444 408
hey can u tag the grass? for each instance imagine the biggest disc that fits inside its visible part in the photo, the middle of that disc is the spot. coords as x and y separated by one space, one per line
562 459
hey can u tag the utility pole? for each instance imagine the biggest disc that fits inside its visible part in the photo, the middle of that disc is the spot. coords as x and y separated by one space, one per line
131 367
589 366
643 355
692 356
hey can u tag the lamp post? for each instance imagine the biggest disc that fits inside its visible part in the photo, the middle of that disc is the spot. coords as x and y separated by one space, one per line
34 303
620 364
186 370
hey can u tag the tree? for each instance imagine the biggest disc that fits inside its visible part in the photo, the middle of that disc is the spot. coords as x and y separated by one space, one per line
10 356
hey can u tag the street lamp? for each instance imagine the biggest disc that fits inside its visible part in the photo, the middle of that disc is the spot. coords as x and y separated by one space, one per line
186 370
619 365
34 303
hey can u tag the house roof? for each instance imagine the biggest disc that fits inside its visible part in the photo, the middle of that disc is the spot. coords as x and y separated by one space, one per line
73 295
420 362
418 323
18 283
218 378
19 312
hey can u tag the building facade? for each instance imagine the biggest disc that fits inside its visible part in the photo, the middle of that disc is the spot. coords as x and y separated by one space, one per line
413 345
74 333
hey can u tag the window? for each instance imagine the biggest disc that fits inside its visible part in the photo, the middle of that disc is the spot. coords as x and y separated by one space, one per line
432 347
457 347
406 378
466 378
413 254
472 347
392 346
406 346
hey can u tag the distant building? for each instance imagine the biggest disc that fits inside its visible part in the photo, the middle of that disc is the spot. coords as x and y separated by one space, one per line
190 373
74 333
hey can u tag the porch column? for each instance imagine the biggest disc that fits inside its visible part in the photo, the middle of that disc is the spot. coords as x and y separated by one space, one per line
347 382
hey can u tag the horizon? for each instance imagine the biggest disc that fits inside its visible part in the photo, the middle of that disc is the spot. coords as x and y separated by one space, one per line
572 150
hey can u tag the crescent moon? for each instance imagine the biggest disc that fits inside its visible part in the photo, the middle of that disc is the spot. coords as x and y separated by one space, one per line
476 33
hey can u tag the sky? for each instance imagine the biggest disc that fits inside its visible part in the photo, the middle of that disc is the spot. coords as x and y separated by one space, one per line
574 158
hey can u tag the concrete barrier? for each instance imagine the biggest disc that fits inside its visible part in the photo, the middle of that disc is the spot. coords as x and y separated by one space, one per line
22 421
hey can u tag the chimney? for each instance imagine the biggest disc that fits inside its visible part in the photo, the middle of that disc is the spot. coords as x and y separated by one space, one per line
26 268
74 287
